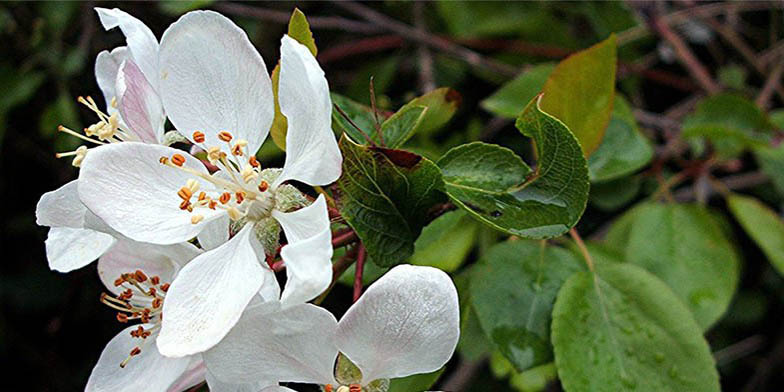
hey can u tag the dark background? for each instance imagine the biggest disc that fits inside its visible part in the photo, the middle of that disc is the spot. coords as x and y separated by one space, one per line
52 327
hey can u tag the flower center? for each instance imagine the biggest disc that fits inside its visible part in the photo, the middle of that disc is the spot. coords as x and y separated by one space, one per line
343 388
237 188
141 300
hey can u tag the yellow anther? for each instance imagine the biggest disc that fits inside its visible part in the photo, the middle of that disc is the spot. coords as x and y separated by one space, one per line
193 185
248 174
234 213
343 388
113 102
213 154
196 218
81 152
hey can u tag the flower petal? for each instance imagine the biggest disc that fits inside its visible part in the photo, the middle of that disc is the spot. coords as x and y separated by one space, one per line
142 44
406 323
148 371
61 207
215 234
216 385
312 154
106 66
292 345
127 256
209 295
309 252
192 376
125 185
68 249
140 107
213 80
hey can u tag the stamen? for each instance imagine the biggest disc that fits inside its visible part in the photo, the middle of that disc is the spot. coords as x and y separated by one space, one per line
202 196
214 155
234 213
198 137
236 150
355 388
196 218
119 281
113 102
165 287
163 160
225 197
193 185
253 161
80 136
185 205
225 136
157 302
140 276
155 280
328 388
263 186
185 193
178 159
122 317
248 174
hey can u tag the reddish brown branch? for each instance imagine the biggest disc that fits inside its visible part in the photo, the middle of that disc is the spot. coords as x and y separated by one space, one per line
361 255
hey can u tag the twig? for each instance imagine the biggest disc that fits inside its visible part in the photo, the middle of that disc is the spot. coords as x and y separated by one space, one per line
426 78
344 239
739 350
422 37
583 249
460 379
689 60
362 46
734 182
773 83
282 17
763 371
361 255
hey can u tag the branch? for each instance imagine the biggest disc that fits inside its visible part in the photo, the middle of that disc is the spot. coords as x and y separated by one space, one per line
426 78
412 34
361 256
461 377
734 182
283 17
772 84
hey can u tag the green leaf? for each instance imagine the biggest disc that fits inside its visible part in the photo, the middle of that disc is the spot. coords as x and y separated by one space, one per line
623 150
399 127
496 187
513 96
624 330
446 241
730 121
473 344
415 383
385 195
685 246
441 104
614 194
771 161
580 92
763 225
535 379
359 114
513 289
299 29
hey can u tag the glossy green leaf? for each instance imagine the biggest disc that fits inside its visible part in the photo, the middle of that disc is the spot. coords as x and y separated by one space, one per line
513 289
685 246
580 92
399 127
473 344
730 121
771 161
446 241
510 100
415 383
624 330
763 225
299 29
496 187
441 104
385 195
623 150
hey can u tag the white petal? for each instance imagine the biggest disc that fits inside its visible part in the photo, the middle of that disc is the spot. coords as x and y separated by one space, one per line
406 323
209 295
213 79
148 371
277 389
192 376
308 253
142 44
106 66
68 249
61 208
127 256
292 345
140 107
215 234
125 185
312 154
216 385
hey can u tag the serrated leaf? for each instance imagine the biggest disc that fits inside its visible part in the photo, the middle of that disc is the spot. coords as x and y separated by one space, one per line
446 241
441 104
385 195
730 121
763 225
580 92
496 187
299 29
622 329
512 97
623 149
513 289
685 246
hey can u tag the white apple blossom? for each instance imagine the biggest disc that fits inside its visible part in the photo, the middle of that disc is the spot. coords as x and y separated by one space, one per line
216 91
406 323
137 276
134 112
